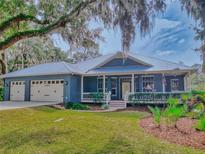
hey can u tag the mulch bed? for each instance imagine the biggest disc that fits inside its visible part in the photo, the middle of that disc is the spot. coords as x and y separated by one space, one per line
182 133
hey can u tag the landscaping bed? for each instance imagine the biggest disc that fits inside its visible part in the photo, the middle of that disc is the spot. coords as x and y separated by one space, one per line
183 133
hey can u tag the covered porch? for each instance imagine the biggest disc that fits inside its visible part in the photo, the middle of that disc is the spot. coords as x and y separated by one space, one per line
119 86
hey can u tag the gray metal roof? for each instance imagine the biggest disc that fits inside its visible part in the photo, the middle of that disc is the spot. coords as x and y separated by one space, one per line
43 69
92 66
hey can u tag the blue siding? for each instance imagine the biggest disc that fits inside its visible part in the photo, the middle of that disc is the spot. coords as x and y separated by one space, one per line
75 91
120 62
90 84
73 83
168 82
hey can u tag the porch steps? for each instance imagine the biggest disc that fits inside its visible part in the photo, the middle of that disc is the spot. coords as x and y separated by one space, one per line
114 105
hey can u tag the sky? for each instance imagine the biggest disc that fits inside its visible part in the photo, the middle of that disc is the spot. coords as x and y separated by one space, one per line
172 38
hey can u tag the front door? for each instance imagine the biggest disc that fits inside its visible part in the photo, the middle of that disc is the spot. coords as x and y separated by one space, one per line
126 88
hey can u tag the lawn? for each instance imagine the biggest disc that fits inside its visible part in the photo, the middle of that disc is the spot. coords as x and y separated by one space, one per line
47 130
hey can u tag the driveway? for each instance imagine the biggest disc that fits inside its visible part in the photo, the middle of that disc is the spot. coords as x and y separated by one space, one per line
7 105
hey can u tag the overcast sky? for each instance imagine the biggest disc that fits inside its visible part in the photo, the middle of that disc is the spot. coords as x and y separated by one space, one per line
172 38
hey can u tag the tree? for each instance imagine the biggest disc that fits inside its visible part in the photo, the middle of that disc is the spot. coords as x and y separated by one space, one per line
32 51
31 20
125 14
196 8
89 50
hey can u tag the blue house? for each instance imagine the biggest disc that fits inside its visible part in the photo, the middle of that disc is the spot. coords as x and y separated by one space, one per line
109 74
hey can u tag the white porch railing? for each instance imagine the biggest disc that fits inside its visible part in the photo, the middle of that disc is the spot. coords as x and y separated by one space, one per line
152 97
96 97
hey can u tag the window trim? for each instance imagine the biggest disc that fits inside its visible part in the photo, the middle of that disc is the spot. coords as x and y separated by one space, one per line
151 76
106 81
115 78
171 81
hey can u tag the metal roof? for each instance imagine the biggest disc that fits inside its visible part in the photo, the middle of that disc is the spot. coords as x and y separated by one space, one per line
92 66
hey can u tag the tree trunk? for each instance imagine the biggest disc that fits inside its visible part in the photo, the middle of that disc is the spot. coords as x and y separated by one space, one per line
203 62
3 64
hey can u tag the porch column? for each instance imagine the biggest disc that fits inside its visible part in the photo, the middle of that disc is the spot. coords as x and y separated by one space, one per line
185 83
103 84
189 82
133 83
82 87
163 82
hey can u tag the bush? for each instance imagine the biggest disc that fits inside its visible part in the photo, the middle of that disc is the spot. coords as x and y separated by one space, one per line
197 110
1 93
201 124
174 110
197 92
156 114
105 106
76 106
97 97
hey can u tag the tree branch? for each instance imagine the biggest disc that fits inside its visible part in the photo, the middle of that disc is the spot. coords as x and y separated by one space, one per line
18 18
9 41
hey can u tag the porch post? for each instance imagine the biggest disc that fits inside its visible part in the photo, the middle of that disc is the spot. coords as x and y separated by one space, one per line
163 82
103 84
185 83
133 83
82 88
189 82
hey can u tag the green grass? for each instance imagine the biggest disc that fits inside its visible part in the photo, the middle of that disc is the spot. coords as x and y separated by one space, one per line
46 130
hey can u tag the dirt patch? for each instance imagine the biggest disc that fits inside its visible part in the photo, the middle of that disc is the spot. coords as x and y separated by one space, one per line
182 133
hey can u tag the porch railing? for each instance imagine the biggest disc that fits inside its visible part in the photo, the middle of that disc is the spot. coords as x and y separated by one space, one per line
95 97
153 97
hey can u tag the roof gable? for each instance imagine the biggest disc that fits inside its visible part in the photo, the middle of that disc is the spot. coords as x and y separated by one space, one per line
118 57
122 62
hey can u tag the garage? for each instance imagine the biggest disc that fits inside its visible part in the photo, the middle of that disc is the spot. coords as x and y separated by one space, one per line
47 90
17 91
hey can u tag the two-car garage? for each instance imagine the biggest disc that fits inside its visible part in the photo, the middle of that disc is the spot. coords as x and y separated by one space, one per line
40 90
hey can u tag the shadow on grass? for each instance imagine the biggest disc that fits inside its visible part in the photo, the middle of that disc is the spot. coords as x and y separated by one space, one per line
18 138
47 109
117 145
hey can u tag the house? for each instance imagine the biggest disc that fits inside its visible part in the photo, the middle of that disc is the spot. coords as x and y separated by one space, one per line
64 82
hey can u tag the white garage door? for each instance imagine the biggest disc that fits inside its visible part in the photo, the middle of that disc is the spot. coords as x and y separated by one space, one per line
47 90
17 91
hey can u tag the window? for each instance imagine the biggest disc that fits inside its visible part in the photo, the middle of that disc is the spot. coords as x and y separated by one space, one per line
49 82
62 81
174 85
53 82
114 86
148 84
57 82
100 84
136 84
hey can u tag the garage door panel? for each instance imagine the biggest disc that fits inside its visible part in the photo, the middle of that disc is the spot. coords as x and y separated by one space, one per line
47 90
17 91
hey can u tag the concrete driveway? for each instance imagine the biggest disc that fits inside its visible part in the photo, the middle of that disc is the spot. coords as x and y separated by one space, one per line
7 105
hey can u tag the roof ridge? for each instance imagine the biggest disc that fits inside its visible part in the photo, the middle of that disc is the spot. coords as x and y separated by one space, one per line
161 59
66 65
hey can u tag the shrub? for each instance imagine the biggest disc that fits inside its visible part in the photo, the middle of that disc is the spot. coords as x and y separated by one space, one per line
76 106
1 93
156 114
197 92
105 106
174 111
97 97
197 110
201 124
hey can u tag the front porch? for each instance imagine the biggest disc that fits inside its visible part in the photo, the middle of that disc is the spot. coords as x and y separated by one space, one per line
120 87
